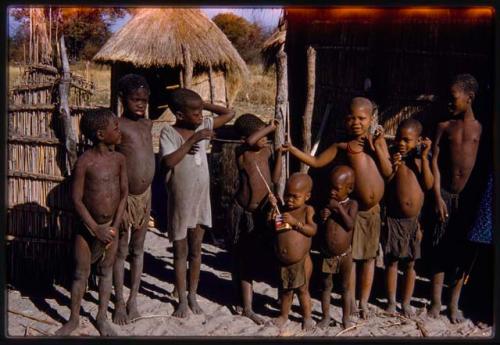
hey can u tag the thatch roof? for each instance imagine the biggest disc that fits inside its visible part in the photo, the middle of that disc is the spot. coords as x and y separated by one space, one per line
155 37
271 47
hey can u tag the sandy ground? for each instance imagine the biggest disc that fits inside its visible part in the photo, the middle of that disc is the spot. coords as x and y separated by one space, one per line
42 316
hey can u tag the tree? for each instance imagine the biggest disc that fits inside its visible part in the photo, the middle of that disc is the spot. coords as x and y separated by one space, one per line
85 29
246 37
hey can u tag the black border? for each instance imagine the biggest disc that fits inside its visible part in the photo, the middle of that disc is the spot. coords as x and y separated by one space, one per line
495 4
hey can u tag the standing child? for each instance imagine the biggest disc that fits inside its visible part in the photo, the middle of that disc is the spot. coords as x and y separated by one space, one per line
293 246
369 158
411 178
137 146
247 215
184 159
338 217
454 155
99 195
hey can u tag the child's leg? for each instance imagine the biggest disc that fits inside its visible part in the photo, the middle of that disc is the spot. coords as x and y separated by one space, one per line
137 238
80 277
180 267
437 289
195 238
325 299
408 287
391 282
305 297
120 316
347 290
456 288
367 273
105 271
354 308
286 304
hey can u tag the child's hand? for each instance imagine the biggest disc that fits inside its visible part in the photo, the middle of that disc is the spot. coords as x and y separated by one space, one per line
288 218
287 145
202 135
325 213
333 204
104 233
378 136
396 160
426 144
366 140
274 123
273 200
441 210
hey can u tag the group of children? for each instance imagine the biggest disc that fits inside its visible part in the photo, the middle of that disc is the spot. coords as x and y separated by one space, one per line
112 197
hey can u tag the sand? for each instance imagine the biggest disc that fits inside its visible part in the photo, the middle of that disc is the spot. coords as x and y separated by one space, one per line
156 303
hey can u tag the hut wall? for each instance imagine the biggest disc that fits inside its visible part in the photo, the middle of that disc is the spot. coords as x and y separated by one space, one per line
40 220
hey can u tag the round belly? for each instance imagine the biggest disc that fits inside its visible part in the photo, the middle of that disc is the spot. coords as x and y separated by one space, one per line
291 247
337 242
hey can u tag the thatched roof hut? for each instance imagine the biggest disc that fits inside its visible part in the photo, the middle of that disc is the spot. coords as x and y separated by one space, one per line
271 47
174 46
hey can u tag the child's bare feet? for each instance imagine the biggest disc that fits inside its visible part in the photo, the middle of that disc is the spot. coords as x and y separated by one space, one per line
391 308
132 311
354 308
68 327
434 311
308 324
407 310
104 327
325 322
347 322
253 316
193 304
364 312
120 316
455 315
181 310
280 321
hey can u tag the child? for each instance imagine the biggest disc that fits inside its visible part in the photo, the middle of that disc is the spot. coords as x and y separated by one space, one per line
137 146
369 158
293 245
411 178
454 155
338 217
247 215
184 159
99 195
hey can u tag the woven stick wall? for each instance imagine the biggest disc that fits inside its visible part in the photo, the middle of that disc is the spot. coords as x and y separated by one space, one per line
40 220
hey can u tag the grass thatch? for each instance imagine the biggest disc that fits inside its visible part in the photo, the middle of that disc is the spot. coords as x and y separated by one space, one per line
271 47
155 37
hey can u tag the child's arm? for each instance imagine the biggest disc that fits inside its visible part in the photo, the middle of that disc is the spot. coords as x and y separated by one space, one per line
348 216
308 229
316 162
382 153
427 177
396 162
224 114
123 192
440 204
257 135
170 160
77 195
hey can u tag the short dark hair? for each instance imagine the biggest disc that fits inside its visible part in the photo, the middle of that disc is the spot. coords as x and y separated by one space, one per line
467 82
178 99
247 124
94 120
131 82
413 124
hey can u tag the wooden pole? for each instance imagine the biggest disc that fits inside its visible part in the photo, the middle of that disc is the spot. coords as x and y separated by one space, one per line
308 111
64 112
31 37
281 112
188 67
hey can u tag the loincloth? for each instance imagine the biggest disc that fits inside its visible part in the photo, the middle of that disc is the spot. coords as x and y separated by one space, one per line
399 239
97 248
332 264
137 210
242 222
293 276
366 236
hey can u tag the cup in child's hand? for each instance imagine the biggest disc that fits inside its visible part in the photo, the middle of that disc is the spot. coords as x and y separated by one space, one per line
279 224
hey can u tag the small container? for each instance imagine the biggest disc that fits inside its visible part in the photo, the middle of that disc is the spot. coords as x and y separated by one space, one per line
279 224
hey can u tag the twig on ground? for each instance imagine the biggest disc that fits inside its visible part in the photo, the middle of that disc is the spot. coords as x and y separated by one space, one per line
392 324
422 329
148 317
32 317
38 330
350 328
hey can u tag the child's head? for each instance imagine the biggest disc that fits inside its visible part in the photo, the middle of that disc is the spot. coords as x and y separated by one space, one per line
297 190
247 124
358 121
134 92
463 90
187 106
101 125
341 182
408 135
